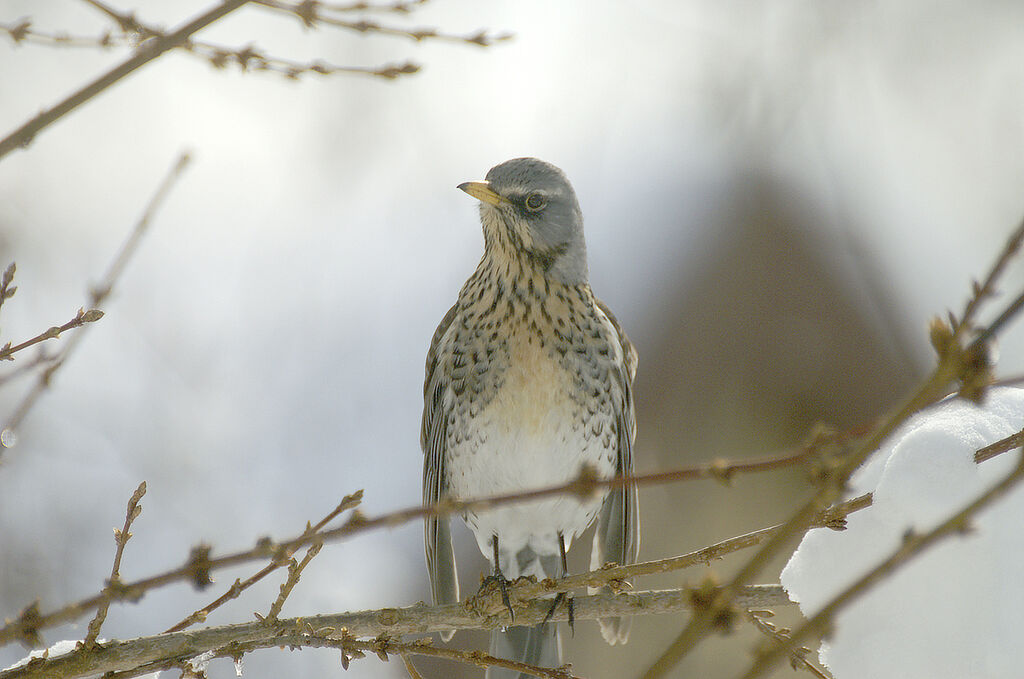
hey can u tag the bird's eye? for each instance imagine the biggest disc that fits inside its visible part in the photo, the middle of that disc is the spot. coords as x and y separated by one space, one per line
535 201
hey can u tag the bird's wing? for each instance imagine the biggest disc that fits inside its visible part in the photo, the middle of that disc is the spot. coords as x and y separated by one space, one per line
444 583
618 530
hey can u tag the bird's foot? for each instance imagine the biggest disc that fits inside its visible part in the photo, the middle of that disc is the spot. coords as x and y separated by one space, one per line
502 583
570 604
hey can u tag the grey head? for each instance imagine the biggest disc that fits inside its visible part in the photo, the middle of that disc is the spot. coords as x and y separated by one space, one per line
529 209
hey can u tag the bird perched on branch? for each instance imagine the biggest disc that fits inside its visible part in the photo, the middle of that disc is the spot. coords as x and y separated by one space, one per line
528 382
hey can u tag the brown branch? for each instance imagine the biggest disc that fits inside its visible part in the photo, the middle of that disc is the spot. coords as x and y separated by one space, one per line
982 291
295 569
81 318
280 558
149 50
798 656
312 14
24 367
121 537
956 363
97 295
144 653
23 32
6 291
200 565
913 545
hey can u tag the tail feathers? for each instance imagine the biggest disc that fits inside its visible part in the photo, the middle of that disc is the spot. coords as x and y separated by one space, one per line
615 630
539 645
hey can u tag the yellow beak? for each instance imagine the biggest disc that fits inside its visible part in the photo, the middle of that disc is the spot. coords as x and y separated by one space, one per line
482 191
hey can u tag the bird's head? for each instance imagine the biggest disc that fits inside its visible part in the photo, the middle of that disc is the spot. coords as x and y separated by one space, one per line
529 210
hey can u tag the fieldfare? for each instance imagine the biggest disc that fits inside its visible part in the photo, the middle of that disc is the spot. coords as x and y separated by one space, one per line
528 379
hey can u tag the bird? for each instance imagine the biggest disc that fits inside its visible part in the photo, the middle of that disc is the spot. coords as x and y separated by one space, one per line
528 384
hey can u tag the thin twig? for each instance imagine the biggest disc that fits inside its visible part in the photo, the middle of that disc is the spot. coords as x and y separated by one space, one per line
121 537
280 558
798 656
199 565
982 291
6 291
913 545
81 318
295 569
149 50
410 668
97 295
312 14
134 655
968 365
24 367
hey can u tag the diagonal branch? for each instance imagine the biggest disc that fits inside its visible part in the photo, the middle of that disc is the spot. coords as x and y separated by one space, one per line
913 545
97 296
149 50
967 365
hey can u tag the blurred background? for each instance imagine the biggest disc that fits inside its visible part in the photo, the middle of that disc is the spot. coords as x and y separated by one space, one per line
778 196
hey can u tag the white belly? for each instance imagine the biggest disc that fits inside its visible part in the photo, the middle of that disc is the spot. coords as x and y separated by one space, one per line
530 435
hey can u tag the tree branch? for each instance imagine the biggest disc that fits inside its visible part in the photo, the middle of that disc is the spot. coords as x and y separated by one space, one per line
149 50
231 640
913 545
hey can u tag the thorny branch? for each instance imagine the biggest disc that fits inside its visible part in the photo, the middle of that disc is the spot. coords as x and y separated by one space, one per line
958 362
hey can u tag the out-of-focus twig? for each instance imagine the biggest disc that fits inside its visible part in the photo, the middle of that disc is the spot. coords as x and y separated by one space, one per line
312 14
97 295
959 361
912 546
200 564
147 51
774 633
6 291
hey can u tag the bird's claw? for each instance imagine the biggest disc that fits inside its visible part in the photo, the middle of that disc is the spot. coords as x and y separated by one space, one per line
570 604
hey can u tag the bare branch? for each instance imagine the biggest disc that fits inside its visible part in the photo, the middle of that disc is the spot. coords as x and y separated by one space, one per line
228 641
81 318
798 656
149 50
956 363
97 296
312 14
279 559
121 537
6 291
913 545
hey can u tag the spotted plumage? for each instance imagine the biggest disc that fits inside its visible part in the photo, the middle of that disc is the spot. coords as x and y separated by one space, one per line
528 378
